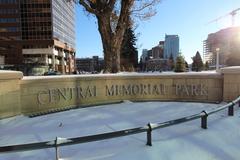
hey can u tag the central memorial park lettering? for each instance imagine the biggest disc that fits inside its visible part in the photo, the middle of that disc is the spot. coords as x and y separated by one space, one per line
156 89
135 89
55 95
191 90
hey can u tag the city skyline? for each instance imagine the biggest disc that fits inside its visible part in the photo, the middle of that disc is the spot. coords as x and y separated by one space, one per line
190 24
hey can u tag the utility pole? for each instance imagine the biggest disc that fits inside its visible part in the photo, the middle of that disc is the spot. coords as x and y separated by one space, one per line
217 59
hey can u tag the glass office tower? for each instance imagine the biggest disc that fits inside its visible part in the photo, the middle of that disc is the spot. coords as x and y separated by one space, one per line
171 46
45 35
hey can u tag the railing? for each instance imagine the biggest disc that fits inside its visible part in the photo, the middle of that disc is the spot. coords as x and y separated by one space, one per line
58 142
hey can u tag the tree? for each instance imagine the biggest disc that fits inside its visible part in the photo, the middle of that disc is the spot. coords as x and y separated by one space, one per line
206 66
113 18
197 64
129 53
180 65
141 64
186 65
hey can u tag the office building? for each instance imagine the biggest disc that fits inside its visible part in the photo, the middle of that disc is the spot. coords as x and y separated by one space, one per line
171 46
227 41
157 51
37 35
90 65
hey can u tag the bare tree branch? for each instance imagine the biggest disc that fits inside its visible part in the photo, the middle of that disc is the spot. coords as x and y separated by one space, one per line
145 5
145 16
87 6
124 18
144 10
111 4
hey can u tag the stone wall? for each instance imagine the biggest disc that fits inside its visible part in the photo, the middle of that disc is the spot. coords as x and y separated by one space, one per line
10 99
231 83
43 93
29 95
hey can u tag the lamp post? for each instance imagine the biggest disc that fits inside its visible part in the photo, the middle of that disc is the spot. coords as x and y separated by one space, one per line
217 59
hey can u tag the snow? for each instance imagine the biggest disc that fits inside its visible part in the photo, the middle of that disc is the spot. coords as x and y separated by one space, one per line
185 141
125 74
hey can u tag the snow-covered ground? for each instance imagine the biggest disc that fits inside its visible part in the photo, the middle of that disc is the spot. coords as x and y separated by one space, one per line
185 141
127 74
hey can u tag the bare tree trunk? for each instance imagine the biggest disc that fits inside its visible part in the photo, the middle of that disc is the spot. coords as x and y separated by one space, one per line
123 23
112 39
116 58
106 36
111 45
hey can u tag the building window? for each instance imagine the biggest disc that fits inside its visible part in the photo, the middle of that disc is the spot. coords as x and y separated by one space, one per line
8 1
9 29
9 20
8 11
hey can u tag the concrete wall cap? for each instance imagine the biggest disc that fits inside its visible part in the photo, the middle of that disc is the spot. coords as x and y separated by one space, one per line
7 75
231 70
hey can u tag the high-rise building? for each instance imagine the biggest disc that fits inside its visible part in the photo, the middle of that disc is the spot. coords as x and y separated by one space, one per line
226 41
10 33
37 35
171 46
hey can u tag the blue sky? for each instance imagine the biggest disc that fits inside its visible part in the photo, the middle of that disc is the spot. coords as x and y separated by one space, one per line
187 18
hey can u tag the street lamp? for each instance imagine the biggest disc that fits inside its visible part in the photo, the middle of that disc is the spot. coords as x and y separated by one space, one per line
217 61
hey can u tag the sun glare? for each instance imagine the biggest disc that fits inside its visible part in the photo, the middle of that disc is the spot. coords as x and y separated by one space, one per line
226 22
237 20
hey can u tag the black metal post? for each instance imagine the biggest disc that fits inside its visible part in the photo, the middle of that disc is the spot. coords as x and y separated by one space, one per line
56 148
231 110
204 120
238 103
149 135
